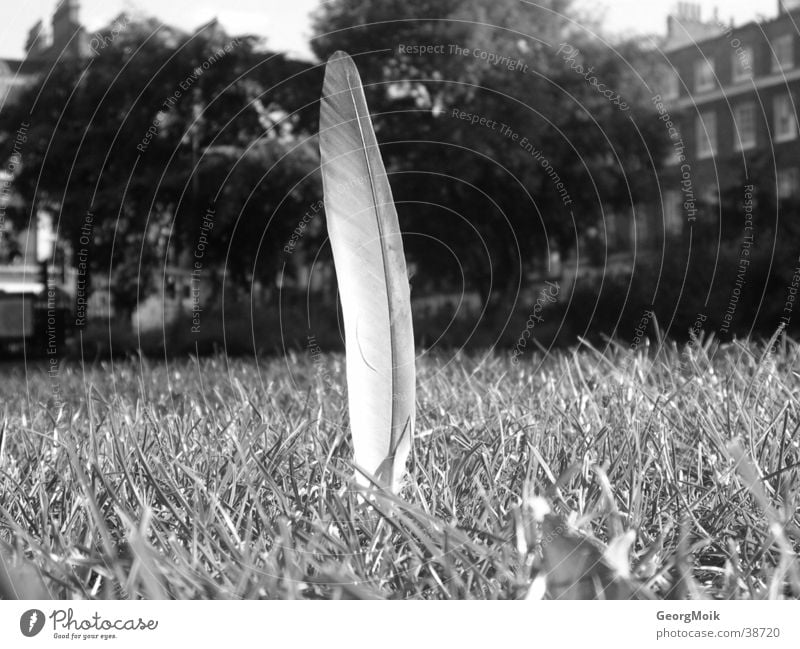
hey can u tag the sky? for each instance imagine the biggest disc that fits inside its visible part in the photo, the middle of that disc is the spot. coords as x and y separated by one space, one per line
285 23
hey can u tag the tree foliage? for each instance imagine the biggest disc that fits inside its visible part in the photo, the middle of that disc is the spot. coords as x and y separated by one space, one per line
499 146
155 128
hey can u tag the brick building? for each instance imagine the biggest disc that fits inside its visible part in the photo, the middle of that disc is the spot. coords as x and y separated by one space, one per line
728 98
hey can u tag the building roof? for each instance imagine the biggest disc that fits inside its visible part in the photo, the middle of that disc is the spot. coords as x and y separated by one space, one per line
22 67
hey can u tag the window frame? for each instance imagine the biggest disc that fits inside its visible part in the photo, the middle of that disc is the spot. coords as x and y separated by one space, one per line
738 72
707 138
740 143
673 215
672 85
777 64
711 197
702 66
793 182
784 99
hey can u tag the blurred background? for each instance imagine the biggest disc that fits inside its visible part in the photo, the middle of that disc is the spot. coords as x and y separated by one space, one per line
558 168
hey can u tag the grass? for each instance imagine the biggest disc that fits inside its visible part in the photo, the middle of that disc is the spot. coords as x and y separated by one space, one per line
226 478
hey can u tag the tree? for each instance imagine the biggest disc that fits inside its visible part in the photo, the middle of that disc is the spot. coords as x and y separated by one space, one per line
497 145
132 138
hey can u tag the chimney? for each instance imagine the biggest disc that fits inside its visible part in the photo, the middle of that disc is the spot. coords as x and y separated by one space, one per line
36 44
66 42
685 25
689 12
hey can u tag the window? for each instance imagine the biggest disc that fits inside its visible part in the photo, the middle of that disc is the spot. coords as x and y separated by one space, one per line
673 156
710 196
785 126
641 228
744 116
704 75
673 222
706 133
788 183
783 53
671 83
742 64
612 227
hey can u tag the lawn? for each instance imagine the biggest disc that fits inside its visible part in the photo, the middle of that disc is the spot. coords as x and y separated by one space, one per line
223 478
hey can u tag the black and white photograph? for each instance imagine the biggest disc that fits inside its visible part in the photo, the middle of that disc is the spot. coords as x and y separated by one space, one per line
422 300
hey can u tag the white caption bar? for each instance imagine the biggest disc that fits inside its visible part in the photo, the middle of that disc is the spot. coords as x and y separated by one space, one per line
356 625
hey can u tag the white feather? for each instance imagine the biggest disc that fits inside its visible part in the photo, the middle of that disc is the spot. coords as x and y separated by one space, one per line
373 281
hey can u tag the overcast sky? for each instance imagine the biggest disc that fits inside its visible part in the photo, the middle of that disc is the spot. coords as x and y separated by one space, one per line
285 22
